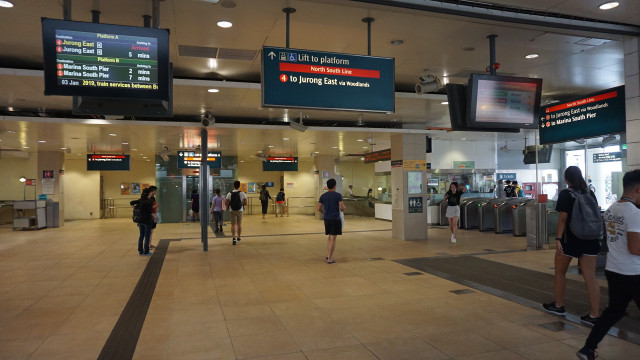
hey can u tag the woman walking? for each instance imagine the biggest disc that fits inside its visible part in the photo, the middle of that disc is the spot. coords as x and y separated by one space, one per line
217 207
452 197
569 246
264 199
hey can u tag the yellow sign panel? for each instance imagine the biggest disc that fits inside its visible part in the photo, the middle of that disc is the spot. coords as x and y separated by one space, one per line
414 164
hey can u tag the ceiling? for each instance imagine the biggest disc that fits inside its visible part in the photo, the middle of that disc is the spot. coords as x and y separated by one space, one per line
571 63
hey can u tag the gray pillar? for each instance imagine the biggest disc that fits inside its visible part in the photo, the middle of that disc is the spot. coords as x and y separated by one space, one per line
409 205
632 101
204 189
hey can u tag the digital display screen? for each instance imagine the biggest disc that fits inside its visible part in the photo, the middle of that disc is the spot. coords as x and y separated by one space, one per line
280 163
90 59
504 101
414 182
97 162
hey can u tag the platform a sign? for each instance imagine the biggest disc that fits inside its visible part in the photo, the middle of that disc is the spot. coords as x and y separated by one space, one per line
295 78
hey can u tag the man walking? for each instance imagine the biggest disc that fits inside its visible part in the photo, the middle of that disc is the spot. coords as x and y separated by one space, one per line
331 205
235 202
622 221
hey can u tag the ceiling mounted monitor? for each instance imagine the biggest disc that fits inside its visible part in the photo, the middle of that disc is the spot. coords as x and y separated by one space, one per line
101 60
506 102
457 98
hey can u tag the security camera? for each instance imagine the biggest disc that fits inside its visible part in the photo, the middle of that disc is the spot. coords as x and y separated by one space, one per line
427 83
208 119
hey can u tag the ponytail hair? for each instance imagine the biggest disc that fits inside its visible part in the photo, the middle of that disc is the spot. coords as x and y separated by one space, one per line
573 175
145 194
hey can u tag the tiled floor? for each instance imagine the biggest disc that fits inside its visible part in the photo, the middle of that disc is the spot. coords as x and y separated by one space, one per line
271 297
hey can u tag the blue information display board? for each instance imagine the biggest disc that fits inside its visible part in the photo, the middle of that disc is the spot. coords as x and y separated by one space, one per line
322 80
280 163
97 162
191 159
597 114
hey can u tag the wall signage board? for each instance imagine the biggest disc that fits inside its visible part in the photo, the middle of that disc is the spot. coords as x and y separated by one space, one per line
607 157
396 163
107 162
597 114
280 163
507 176
464 164
415 205
191 159
382 155
323 80
414 164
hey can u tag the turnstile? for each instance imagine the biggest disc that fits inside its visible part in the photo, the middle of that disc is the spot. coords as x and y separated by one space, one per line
443 214
541 223
486 214
469 213
520 218
504 220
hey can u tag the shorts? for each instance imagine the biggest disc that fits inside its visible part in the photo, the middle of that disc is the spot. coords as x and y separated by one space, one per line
332 227
453 211
235 216
577 248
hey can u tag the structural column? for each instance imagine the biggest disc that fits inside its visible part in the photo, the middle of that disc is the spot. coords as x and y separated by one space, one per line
49 177
632 101
409 190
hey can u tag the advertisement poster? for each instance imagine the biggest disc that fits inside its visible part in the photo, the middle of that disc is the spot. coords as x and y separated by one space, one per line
243 187
124 188
145 186
135 189
252 188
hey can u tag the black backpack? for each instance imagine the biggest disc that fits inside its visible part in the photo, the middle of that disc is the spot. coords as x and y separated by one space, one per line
137 212
509 191
586 221
235 203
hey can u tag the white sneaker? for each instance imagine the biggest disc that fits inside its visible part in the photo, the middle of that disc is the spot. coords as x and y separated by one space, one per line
453 240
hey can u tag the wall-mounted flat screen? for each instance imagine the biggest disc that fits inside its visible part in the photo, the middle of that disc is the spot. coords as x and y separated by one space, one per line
102 60
280 163
593 115
544 154
457 99
107 162
323 80
503 101
192 159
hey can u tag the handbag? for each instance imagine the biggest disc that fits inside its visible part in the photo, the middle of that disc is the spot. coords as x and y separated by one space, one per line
190 212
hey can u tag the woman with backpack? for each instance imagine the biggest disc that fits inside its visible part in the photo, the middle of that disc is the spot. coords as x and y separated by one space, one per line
145 223
264 199
280 199
578 236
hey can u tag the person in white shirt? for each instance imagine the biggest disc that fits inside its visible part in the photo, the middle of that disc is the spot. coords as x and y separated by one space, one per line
622 221
235 202
349 192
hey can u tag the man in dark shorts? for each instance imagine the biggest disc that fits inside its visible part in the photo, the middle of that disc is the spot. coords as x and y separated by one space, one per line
331 204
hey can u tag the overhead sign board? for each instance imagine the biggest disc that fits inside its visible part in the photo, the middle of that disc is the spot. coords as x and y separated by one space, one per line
507 176
280 163
295 78
382 155
607 157
191 159
107 162
597 114
469 164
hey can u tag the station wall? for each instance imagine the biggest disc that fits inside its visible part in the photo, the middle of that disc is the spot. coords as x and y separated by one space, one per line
12 170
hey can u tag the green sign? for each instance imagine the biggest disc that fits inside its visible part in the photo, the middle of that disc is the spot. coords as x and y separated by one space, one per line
464 164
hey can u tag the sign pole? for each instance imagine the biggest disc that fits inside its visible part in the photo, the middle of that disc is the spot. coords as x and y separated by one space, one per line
204 188
368 20
492 54
288 11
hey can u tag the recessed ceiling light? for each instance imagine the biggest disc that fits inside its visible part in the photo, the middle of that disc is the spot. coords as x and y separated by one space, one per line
144 157
285 139
125 143
361 158
112 134
365 147
397 42
11 131
26 147
270 146
445 103
531 56
63 148
213 90
42 141
359 140
463 139
334 147
10 108
241 160
6 4
609 5
316 152
148 160
225 24
134 149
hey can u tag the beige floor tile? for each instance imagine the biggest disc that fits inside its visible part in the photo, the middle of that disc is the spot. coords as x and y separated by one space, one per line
497 355
351 352
19 348
71 345
293 356
461 343
408 348
550 351
264 344
246 311
254 326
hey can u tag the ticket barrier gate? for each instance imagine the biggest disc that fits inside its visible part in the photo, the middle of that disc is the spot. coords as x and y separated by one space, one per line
443 214
463 205
469 218
541 224
504 214
520 218
486 214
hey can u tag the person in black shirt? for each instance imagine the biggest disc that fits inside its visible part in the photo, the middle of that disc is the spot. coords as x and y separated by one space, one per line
452 197
569 246
146 222
509 190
